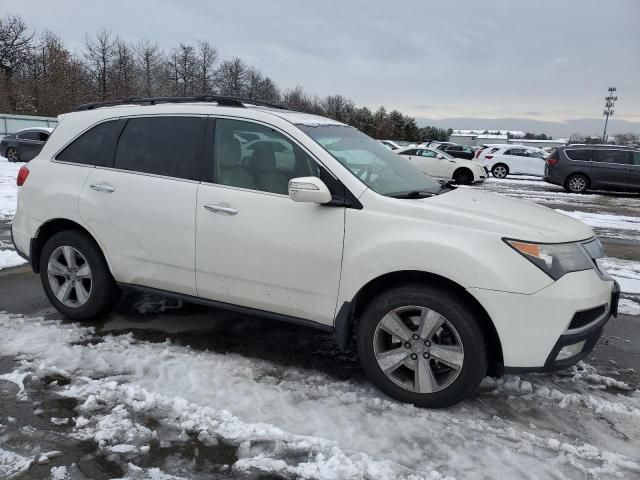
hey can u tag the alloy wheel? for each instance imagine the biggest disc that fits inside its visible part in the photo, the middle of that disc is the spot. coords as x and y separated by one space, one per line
12 155
499 171
418 349
69 276
577 184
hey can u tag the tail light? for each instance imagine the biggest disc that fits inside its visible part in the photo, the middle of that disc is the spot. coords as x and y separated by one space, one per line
23 173
488 157
553 158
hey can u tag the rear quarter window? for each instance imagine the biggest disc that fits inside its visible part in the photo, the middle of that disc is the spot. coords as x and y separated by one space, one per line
580 154
87 147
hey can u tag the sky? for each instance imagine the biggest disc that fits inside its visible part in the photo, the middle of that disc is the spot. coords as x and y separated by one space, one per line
538 64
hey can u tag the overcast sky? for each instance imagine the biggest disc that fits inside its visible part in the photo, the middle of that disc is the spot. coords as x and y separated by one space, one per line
549 60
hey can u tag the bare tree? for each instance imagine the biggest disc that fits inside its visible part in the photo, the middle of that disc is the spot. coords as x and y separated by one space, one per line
186 69
149 60
15 48
254 81
206 59
231 77
100 53
123 72
296 99
628 138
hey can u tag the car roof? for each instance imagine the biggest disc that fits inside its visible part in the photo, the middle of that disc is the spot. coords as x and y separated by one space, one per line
35 129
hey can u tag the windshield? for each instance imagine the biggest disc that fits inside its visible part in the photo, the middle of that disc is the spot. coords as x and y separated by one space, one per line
375 165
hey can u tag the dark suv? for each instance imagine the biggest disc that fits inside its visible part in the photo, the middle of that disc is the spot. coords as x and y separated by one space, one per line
579 168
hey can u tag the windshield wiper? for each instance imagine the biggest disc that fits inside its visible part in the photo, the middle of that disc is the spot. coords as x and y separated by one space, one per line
446 186
412 194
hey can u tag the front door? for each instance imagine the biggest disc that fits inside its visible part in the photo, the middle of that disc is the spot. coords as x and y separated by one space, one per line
255 247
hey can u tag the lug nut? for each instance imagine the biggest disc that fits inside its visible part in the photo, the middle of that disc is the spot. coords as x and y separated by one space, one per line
425 355
414 356
427 343
407 345
416 336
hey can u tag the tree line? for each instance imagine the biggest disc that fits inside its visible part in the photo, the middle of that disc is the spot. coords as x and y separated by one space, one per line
40 76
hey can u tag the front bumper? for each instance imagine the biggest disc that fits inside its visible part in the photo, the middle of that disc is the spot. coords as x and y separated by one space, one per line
534 328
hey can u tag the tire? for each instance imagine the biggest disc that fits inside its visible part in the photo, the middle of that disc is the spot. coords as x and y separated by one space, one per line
463 176
576 183
12 154
458 331
500 170
93 290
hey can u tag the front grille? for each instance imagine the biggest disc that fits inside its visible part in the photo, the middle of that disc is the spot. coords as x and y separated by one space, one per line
580 319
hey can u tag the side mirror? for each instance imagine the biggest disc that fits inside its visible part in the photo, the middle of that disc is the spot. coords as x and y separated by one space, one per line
309 190
439 156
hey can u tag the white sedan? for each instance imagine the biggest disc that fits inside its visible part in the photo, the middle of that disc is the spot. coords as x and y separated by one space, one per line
518 160
443 166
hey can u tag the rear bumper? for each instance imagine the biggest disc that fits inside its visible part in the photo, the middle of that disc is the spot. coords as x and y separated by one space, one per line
533 329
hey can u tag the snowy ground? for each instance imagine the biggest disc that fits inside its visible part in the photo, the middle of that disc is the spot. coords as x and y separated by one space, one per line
163 390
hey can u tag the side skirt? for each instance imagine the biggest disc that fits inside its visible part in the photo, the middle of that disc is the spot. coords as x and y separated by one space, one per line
233 308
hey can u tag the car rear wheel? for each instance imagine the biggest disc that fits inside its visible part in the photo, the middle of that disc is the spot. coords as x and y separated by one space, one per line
421 345
463 176
577 183
500 170
12 155
75 276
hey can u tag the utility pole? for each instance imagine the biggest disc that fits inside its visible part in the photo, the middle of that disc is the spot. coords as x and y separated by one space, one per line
610 101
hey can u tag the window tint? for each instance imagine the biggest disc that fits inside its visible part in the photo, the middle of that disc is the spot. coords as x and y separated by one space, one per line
582 154
44 136
636 158
266 164
613 156
494 150
86 148
428 153
413 151
161 146
29 136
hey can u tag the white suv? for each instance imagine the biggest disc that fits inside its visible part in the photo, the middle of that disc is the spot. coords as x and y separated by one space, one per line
514 159
439 285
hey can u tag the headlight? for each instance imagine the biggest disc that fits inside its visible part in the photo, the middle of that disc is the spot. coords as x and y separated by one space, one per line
557 259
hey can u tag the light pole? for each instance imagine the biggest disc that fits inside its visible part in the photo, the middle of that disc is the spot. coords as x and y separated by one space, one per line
610 101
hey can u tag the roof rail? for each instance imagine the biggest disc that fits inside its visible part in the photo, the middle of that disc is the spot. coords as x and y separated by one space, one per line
222 100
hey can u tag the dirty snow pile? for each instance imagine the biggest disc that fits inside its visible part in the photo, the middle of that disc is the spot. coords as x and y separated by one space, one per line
8 189
297 423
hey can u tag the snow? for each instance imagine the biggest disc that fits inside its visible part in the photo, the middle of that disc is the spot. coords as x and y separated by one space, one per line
306 424
9 258
601 220
8 189
626 272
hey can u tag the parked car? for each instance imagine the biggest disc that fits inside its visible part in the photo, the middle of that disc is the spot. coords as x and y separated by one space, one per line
443 166
25 144
458 151
489 148
439 285
514 160
390 144
579 168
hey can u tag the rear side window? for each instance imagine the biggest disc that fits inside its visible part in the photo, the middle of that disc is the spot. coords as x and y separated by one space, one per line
408 152
613 156
29 136
166 146
636 158
86 148
581 154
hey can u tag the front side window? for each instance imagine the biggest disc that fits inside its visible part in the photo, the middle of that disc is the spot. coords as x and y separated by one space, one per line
29 136
428 153
636 158
86 148
161 146
376 166
266 163
412 151
613 156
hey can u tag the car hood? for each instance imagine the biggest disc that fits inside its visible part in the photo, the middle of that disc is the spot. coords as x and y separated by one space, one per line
506 216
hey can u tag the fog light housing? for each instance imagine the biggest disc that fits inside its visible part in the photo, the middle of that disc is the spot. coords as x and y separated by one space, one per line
569 351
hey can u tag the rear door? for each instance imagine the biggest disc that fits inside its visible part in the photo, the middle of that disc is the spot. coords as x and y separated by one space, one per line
516 159
634 173
141 204
611 168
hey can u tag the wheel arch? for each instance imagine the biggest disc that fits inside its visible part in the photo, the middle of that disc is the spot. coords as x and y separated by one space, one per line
346 323
463 169
49 229
579 172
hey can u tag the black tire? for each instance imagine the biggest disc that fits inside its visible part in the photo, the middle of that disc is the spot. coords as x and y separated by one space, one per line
577 183
463 176
104 292
12 155
457 312
500 170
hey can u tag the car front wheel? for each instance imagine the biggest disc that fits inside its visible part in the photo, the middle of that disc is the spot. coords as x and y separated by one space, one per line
421 344
12 155
75 276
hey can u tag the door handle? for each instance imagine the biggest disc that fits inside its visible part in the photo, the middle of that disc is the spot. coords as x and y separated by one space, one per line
103 187
222 208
